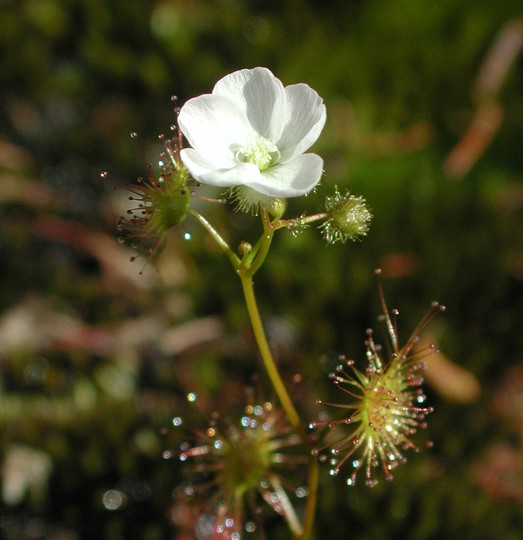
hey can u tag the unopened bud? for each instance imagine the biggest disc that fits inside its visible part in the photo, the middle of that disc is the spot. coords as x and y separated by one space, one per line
348 219
277 208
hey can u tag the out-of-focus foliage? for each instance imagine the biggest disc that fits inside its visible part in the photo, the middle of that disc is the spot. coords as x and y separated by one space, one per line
425 110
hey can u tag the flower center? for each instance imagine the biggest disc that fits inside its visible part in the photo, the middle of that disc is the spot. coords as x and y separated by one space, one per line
262 152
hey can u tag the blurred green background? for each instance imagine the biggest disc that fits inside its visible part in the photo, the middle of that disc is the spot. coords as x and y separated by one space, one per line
425 116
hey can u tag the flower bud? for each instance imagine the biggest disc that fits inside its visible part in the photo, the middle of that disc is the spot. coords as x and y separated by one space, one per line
160 203
277 208
251 201
348 218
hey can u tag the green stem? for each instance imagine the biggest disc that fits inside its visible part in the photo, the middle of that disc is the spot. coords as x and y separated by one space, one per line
235 260
300 221
246 268
284 398
265 352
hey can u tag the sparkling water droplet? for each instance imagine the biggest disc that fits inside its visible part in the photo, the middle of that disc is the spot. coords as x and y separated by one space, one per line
113 499
191 397
177 421
187 236
250 526
301 492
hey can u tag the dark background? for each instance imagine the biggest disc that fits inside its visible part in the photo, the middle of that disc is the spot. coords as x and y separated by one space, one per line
425 116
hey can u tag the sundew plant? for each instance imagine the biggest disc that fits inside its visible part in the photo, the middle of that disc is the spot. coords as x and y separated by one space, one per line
250 139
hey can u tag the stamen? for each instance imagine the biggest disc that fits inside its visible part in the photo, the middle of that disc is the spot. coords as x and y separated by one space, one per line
262 153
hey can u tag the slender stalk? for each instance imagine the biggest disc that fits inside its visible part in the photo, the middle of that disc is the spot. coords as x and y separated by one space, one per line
288 510
246 268
312 497
265 352
300 221
284 398
235 260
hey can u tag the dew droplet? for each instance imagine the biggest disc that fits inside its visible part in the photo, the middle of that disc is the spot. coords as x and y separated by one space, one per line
113 499
274 497
301 492
177 421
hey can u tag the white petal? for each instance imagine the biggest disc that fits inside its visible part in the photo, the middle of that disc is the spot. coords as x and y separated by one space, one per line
260 95
204 171
214 126
306 116
291 179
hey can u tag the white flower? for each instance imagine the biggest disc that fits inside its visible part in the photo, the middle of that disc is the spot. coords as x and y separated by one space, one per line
251 131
